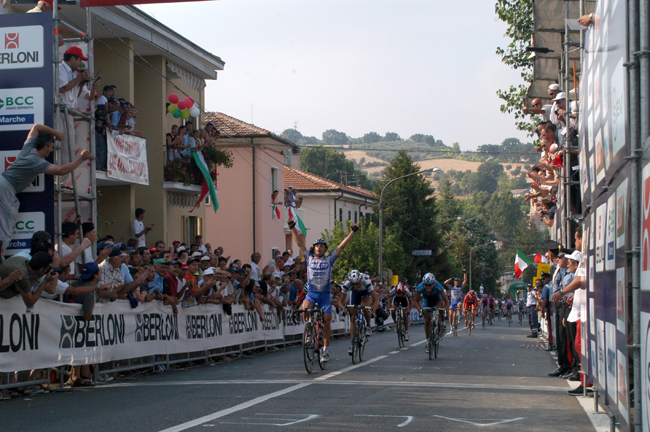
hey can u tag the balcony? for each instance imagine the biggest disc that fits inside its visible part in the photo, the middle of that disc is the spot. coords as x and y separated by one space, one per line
121 160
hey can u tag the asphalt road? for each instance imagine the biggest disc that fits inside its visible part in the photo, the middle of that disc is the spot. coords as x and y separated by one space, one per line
494 379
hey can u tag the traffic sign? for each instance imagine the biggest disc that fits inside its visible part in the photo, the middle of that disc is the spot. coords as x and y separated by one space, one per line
421 252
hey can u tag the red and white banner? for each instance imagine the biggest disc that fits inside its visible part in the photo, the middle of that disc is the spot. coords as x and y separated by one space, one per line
127 159
95 3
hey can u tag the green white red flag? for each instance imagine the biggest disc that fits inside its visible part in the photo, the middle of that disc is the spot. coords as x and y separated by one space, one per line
207 184
293 215
521 263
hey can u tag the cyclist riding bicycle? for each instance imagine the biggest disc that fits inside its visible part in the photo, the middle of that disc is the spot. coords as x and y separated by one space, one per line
508 307
361 294
433 294
319 275
491 306
456 295
471 304
400 296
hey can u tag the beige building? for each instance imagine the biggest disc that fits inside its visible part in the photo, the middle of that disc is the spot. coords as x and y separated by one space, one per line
324 202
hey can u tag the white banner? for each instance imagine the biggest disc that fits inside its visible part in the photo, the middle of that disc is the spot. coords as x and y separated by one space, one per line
56 334
127 158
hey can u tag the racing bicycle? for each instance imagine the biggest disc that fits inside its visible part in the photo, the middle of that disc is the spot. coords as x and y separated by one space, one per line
435 336
455 322
359 340
312 337
399 325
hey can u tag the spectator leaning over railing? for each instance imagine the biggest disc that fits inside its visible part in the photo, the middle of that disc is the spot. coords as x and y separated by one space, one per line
33 276
30 163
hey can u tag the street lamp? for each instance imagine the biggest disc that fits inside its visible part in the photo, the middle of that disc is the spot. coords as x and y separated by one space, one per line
381 215
470 259
449 221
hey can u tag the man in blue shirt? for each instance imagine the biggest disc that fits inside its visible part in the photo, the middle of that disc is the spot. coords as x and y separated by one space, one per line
319 275
431 294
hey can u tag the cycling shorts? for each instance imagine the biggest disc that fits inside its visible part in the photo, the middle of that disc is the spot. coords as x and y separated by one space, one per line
431 301
322 298
508 307
357 296
454 304
401 301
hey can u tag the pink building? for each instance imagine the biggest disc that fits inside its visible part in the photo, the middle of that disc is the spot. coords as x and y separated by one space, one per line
245 222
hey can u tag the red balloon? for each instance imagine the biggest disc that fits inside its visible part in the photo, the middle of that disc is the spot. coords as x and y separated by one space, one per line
173 98
181 105
189 103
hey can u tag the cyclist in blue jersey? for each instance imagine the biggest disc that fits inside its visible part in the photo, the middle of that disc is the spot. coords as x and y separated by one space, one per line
456 296
433 294
362 293
319 275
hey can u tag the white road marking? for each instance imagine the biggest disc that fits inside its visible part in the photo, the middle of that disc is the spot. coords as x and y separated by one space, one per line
394 352
242 406
408 420
419 343
473 421
349 368
291 421
253 402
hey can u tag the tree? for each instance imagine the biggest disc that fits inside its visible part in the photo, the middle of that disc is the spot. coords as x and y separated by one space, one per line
410 205
292 135
362 253
328 163
491 168
371 137
503 214
518 14
391 136
334 137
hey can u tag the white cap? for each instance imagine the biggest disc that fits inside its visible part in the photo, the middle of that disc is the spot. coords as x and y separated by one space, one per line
208 271
575 256
196 254
554 87
181 249
205 258
560 95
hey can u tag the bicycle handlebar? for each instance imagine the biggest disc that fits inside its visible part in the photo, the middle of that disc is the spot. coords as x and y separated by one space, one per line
359 307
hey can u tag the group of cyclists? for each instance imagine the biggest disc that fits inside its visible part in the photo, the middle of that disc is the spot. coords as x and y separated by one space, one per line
427 297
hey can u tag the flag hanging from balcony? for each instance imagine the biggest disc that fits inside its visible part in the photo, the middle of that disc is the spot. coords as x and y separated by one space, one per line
293 215
521 262
276 212
540 259
207 185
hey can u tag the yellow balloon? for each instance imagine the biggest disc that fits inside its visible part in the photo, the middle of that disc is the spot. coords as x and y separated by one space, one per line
172 108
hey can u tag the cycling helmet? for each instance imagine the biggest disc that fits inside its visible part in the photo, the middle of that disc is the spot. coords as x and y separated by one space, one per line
491 297
399 288
472 292
355 276
484 295
428 279
321 240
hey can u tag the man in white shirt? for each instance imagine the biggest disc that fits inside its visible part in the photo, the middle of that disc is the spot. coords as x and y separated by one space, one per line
199 241
138 229
255 268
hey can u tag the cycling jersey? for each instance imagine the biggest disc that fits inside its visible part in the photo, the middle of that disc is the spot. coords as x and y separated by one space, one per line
433 297
319 271
456 296
400 299
470 301
509 305
366 285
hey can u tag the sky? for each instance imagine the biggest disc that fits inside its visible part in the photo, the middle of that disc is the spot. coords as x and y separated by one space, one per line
357 66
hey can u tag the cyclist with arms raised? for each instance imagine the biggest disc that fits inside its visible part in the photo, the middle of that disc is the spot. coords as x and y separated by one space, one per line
400 296
319 275
433 294
456 296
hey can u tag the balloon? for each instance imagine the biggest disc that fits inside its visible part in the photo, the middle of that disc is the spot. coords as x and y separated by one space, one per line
177 113
188 102
173 98
172 108
186 114
195 111
181 105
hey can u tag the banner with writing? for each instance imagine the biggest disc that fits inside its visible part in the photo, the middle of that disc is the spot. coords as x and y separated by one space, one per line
127 159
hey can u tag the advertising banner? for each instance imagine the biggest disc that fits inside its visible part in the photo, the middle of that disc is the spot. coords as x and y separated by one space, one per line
127 159
95 3
26 90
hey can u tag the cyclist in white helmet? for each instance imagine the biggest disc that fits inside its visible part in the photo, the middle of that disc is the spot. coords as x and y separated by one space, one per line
319 275
361 294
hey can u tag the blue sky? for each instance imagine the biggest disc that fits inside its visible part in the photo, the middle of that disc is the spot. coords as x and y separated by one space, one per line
356 66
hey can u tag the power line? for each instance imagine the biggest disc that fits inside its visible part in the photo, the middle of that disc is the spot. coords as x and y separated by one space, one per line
443 152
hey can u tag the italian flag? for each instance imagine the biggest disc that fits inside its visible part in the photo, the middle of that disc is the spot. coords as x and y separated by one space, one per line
275 211
293 215
540 259
208 185
521 262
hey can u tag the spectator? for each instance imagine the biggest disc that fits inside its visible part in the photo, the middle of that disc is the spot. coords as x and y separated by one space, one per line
69 236
255 268
103 248
70 80
274 266
31 278
544 111
531 304
157 288
111 277
290 199
138 229
560 314
199 241
204 265
28 164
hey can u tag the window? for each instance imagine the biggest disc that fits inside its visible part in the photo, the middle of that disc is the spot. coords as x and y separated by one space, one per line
355 217
349 215
274 180
191 228
341 215
274 252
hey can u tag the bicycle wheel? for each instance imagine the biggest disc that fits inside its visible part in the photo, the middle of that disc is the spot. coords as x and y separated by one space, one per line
356 342
362 341
321 342
308 347
432 336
